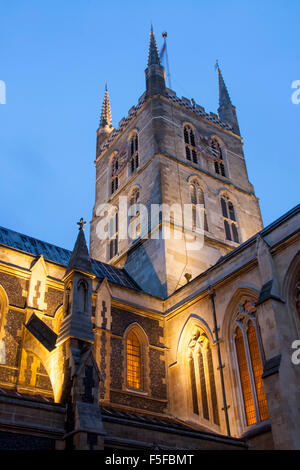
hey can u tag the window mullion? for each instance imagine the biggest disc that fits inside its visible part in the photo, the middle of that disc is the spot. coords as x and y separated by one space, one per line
250 371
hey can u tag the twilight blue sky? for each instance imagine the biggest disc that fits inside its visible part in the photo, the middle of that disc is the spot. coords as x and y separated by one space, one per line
56 56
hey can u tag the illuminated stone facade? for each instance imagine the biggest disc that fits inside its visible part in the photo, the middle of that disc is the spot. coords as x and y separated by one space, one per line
146 345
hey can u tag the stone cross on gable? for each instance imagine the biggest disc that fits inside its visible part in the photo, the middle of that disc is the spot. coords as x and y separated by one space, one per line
81 224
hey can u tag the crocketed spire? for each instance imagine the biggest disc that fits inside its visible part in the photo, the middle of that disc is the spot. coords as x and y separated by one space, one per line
224 98
105 119
226 110
153 56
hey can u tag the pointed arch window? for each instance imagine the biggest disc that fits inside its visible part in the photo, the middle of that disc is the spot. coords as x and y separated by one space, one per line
134 361
114 182
229 219
202 378
134 153
218 155
134 217
249 355
190 145
197 197
113 233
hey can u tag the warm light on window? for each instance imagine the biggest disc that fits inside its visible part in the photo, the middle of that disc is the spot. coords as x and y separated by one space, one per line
245 379
133 361
257 372
249 357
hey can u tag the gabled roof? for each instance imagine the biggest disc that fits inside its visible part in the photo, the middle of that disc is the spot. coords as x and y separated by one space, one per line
56 254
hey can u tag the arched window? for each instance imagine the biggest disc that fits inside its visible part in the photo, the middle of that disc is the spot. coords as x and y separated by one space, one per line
133 361
134 154
219 162
113 231
203 392
197 197
114 182
134 215
230 223
190 146
249 357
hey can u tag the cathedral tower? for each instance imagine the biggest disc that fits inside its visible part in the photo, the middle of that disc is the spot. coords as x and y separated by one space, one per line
170 152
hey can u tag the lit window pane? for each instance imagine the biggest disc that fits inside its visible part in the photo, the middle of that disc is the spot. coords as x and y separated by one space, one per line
133 361
245 380
257 372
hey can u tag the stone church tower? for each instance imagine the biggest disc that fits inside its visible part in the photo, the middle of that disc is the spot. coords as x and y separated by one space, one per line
149 343
169 152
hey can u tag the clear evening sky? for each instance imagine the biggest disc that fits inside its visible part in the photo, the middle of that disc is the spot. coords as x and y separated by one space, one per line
57 55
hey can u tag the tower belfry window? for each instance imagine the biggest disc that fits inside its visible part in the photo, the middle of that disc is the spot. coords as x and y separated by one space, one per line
190 146
134 218
114 175
197 197
113 228
134 153
219 162
230 223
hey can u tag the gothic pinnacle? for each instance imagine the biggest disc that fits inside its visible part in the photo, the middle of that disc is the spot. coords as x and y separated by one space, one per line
224 98
105 119
153 56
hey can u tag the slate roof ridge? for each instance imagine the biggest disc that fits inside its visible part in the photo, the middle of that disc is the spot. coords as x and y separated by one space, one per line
54 253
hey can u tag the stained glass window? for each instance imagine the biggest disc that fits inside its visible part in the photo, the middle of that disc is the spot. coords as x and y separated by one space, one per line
193 386
257 371
249 358
245 379
133 361
202 379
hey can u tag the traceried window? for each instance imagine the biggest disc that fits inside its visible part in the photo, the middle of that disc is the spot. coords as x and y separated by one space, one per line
197 197
134 153
190 146
203 390
230 223
134 217
219 162
249 355
134 362
114 182
113 229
